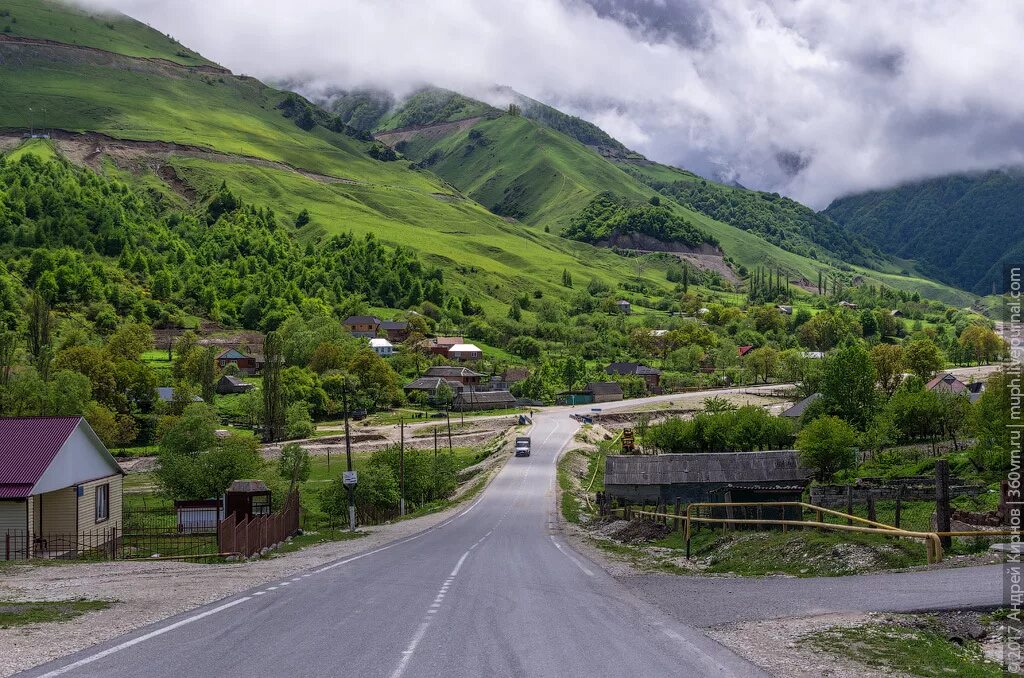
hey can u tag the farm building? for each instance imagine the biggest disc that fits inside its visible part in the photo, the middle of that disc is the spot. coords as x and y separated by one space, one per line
228 384
382 347
708 477
60 489
430 386
624 306
594 392
467 401
465 352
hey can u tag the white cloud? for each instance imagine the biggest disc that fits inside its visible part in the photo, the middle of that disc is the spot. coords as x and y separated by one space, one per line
866 94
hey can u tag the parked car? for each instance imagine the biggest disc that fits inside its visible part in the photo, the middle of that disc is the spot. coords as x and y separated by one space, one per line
523 446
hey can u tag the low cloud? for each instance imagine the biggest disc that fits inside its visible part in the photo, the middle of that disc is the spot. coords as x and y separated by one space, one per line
810 98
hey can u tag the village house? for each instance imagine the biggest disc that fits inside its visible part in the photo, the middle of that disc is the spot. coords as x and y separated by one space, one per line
624 306
948 383
382 347
847 304
441 345
772 476
463 376
785 310
470 400
396 331
896 313
362 326
650 375
465 352
744 350
514 375
431 386
60 489
247 364
228 384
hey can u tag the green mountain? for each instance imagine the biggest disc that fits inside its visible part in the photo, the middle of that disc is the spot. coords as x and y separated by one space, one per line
959 229
477 192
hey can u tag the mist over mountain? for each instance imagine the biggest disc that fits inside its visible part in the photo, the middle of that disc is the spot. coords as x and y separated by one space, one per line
814 99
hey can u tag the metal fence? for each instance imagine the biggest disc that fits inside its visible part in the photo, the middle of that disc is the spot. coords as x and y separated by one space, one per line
186 533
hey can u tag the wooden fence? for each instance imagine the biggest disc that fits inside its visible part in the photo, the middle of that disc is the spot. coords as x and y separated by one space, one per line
249 537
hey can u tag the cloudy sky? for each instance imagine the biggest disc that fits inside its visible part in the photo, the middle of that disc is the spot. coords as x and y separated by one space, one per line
811 98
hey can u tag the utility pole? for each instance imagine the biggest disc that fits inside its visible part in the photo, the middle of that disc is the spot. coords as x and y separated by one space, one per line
401 467
348 459
448 414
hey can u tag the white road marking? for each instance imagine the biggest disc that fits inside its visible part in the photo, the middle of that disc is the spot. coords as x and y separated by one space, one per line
135 641
570 557
259 593
407 654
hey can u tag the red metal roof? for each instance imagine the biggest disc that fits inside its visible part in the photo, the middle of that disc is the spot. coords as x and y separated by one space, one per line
27 446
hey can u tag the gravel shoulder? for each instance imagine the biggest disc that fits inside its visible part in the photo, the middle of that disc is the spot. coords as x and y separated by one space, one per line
147 592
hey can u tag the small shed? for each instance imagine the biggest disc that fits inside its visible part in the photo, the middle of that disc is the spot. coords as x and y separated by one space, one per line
247 498
624 306
604 391
247 364
228 384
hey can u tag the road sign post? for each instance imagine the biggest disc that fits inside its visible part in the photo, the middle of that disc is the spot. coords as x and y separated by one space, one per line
350 488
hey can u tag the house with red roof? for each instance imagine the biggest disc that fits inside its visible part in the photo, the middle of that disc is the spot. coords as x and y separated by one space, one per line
59 487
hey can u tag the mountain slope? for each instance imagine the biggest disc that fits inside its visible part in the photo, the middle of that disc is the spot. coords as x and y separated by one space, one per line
960 229
185 130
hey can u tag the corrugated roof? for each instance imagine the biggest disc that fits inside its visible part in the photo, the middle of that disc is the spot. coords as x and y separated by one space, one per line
362 320
631 368
394 325
27 447
779 466
451 371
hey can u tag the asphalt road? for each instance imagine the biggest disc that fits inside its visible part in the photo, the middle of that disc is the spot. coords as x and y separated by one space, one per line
493 591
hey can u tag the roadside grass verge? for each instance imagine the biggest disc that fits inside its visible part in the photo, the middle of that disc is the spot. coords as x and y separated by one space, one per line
18 613
570 505
914 651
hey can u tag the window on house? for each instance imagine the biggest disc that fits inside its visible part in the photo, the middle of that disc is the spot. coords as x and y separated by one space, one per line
102 502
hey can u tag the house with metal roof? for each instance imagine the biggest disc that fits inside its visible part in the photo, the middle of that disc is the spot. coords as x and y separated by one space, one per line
382 347
362 326
60 489
798 409
461 375
464 352
247 364
771 476
228 384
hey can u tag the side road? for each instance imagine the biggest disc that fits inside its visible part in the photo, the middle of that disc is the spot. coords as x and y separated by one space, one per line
711 601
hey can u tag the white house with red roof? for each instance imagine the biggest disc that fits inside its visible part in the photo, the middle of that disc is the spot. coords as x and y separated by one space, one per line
60 488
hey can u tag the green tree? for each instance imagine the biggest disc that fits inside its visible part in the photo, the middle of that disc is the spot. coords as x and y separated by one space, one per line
294 465
826 446
848 384
273 398
887 360
923 358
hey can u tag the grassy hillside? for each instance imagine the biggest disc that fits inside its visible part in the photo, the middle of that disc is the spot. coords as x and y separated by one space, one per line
107 31
959 229
777 219
434 105
521 169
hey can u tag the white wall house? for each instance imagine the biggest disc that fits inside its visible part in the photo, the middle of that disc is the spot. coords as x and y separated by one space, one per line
59 487
382 347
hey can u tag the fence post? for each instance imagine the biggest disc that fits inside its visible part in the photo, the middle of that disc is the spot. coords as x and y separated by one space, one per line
872 516
676 523
7 546
899 505
849 503
942 501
